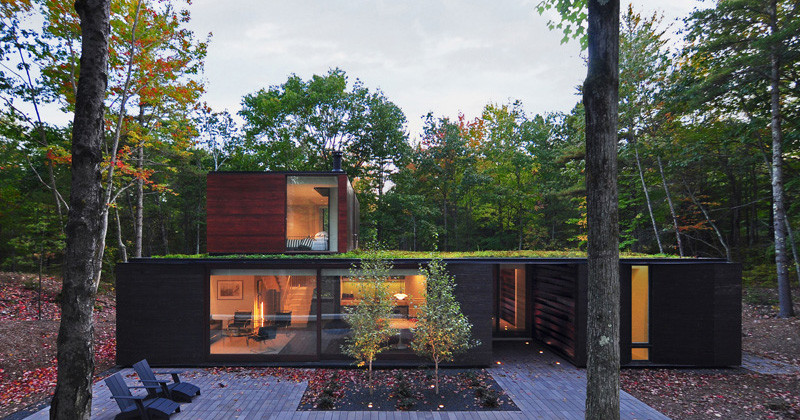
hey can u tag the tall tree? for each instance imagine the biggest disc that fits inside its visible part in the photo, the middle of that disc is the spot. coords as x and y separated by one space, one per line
298 124
153 59
643 68
601 100
745 53
84 248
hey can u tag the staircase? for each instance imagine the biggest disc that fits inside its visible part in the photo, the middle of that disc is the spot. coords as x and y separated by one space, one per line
298 300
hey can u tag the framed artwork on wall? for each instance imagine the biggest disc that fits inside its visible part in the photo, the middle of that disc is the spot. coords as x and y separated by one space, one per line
229 290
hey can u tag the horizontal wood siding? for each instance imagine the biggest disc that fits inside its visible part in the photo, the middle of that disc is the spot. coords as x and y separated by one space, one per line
508 296
554 306
161 313
246 212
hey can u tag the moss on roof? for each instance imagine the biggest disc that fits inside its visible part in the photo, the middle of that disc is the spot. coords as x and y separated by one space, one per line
417 254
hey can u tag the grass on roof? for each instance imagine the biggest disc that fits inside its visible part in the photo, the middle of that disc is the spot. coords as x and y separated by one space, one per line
390 254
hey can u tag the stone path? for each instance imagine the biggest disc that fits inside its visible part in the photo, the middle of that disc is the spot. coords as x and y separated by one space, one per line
766 366
541 384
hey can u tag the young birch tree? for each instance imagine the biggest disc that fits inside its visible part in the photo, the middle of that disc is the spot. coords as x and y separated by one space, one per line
369 320
442 331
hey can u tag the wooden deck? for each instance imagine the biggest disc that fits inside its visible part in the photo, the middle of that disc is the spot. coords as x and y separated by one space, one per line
542 385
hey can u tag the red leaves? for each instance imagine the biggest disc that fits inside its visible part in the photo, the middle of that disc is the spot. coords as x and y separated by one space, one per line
30 374
35 381
693 394
20 303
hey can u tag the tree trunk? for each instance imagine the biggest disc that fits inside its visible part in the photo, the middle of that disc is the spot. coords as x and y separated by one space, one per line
123 250
436 363
163 225
369 375
197 236
647 197
73 397
138 221
671 207
444 212
778 208
601 99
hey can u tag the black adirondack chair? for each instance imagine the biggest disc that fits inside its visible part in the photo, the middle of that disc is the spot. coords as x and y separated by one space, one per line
176 391
138 406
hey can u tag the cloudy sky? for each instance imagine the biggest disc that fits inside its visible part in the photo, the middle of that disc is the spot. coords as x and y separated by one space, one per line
443 56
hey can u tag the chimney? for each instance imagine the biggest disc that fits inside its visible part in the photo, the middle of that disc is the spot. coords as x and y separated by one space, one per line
337 161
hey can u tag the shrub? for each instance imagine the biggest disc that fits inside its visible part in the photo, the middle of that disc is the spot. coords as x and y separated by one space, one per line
325 402
490 398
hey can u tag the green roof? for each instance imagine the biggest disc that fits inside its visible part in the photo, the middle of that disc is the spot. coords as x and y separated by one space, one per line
416 255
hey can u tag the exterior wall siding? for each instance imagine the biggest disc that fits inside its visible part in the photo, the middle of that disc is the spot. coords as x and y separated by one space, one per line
474 291
246 212
160 313
695 309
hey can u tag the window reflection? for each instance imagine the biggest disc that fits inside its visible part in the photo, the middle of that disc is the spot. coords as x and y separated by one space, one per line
339 292
310 202
263 312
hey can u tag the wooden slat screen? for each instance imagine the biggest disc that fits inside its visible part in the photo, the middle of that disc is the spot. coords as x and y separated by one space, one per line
554 288
508 296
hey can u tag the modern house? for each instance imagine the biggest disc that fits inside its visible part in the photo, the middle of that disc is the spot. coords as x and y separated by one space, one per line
290 308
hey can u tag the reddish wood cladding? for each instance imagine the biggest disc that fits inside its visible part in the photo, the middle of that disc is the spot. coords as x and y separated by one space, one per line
246 213
343 231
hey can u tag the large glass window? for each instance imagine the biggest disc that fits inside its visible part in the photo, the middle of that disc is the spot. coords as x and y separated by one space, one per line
263 312
640 312
311 213
339 292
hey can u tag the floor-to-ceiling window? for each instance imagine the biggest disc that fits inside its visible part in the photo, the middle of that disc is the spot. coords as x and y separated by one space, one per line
340 291
263 312
312 213
640 312
273 312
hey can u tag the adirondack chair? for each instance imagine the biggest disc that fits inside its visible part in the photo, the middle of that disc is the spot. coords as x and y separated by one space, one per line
137 406
176 391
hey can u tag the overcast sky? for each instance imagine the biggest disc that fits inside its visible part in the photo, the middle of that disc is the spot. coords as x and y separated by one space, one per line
443 57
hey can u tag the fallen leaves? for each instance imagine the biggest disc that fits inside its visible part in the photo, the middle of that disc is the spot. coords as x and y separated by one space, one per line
28 346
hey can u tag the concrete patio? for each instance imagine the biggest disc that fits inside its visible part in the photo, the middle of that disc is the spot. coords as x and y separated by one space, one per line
542 385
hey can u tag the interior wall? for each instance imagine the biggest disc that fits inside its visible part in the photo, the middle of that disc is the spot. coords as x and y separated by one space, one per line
640 322
228 307
519 273
415 289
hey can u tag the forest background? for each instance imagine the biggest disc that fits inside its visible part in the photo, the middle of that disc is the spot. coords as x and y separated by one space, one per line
695 143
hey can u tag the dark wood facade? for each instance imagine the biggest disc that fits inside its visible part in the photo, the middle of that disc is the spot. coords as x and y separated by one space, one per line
246 212
694 317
